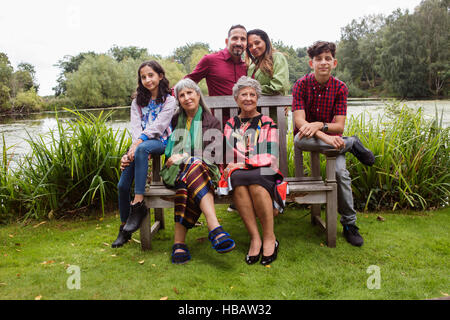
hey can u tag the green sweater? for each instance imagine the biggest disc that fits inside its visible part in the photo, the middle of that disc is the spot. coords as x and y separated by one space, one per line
279 83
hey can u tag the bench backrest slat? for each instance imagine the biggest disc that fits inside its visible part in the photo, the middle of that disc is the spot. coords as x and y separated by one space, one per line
273 106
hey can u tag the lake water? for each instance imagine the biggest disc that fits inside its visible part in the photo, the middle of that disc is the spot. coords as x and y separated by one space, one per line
15 128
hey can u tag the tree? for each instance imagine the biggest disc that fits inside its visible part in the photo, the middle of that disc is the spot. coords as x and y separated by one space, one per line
183 54
28 67
131 52
297 60
195 57
433 18
23 79
6 71
101 81
68 65
403 59
357 50
174 70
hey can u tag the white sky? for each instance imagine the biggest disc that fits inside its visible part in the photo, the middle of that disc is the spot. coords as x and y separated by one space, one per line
44 31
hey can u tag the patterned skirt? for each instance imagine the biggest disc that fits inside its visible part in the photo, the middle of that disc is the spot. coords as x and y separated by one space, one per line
192 184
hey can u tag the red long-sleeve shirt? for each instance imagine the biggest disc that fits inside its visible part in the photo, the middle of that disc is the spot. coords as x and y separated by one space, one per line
220 72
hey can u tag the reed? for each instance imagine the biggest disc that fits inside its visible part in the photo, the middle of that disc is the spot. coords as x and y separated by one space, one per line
75 165
7 183
412 164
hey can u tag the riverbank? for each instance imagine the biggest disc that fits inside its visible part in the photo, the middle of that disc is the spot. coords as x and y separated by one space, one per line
409 251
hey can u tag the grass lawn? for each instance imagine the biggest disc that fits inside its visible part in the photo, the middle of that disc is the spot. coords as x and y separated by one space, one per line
411 249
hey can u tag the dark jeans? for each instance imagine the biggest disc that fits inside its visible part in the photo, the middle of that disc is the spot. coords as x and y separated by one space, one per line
137 170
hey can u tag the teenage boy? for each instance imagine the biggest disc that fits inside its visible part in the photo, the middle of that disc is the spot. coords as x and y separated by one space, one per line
319 107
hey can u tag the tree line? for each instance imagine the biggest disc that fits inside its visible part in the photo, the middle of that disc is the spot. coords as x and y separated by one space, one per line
404 55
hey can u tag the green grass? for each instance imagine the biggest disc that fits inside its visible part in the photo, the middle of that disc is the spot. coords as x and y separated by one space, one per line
411 249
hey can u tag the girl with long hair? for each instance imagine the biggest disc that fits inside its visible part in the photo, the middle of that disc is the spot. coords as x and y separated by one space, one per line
151 112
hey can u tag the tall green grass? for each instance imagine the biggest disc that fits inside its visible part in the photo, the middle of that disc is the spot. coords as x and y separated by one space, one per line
412 164
8 183
412 160
75 165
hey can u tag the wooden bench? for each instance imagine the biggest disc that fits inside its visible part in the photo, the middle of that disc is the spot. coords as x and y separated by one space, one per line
303 189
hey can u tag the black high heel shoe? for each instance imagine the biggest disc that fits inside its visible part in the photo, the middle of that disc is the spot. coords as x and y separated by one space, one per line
254 259
266 260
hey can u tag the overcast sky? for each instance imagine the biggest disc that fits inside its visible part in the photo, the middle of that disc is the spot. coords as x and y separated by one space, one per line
44 31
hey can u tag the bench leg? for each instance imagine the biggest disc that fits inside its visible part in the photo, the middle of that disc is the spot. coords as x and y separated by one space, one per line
331 223
159 216
315 212
146 234
147 230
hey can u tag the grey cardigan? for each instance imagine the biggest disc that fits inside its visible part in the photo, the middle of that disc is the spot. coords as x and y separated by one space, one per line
153 129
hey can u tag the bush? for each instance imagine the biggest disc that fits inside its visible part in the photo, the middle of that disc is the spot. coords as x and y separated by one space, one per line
101 81
58 103
28 101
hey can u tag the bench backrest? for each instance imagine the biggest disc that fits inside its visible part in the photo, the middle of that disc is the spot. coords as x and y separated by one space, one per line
274 107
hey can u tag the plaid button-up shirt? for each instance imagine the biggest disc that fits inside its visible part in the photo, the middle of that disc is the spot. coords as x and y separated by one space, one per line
320 102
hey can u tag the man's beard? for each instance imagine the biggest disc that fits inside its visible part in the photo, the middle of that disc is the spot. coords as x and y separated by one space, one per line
237 50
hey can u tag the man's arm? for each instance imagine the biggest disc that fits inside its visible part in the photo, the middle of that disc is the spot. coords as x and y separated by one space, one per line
200 71
313 129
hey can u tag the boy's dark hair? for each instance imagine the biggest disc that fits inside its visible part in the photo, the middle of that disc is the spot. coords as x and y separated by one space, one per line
321 46
236 26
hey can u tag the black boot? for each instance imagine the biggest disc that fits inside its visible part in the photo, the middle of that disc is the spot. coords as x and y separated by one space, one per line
122 238
137 214
364 155
352 235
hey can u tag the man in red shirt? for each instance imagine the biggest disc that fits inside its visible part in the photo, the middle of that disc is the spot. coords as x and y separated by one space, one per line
319 107
224 68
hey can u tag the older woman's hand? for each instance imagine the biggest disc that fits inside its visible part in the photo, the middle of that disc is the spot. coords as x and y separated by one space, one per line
175 159
231 166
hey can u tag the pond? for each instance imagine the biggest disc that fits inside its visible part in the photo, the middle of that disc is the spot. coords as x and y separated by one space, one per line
15 128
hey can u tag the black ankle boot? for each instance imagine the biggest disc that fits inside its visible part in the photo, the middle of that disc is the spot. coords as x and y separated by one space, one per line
364 155
122 238
137 214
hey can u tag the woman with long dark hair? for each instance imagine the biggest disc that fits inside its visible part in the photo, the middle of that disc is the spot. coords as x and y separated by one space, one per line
266 64
151 112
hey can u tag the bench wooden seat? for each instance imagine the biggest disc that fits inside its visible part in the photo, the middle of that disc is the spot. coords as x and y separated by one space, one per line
303 189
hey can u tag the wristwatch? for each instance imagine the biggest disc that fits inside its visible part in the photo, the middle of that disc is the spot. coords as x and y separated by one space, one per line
325 127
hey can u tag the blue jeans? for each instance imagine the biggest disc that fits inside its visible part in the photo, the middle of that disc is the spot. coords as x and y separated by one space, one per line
137 170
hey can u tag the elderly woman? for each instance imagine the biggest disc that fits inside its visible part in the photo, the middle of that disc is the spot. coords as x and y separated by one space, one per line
193 176
252 172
